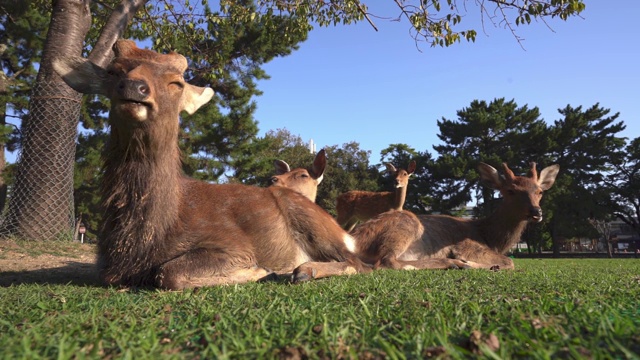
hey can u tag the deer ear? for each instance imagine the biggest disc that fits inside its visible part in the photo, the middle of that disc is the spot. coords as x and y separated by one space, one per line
281 167
489 176
81 74
319 164
412 167
194 97
548 176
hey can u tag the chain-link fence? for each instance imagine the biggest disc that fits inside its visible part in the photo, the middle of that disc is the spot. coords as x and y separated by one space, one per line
41 198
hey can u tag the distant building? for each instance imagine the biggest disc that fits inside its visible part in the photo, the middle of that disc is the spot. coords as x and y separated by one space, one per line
624 237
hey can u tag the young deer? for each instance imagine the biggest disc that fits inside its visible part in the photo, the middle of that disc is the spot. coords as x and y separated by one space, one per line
354 206
164 229
380 240
483 242
304 181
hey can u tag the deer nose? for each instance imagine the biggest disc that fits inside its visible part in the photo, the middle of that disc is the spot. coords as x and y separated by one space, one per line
536 214
134 90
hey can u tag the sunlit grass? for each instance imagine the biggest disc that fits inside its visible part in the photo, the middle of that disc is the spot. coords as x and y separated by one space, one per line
583 308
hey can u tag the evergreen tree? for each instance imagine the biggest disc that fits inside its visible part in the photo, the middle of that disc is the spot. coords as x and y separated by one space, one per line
625 183
22 32
586 146
492 133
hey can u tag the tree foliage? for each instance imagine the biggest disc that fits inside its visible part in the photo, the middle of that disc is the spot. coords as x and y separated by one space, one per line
434 22
492 133
586 145
624 185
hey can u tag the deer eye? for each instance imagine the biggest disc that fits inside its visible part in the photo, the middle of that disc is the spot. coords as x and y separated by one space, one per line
177 84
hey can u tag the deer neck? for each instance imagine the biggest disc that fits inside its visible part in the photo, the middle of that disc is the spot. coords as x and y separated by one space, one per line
140 198
400 195
501 230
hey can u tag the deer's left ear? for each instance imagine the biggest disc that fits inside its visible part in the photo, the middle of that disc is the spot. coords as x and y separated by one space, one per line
194 97
548 176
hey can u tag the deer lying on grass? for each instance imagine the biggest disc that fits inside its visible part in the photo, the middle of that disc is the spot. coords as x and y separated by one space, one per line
380 240
357 206
479 243
483 242
166 230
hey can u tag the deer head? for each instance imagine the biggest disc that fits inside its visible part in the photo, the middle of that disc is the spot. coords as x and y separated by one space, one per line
521 194
143 85
401 177
304 181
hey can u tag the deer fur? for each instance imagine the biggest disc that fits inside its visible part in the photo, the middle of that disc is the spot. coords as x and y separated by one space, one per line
379 240
164 229
483 242
357 206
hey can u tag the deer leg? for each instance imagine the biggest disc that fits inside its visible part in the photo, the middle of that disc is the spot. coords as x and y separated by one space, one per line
208 267
436 263
318 270
484 257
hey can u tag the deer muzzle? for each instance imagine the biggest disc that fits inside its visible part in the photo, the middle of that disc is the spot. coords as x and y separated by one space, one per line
134 90
536 214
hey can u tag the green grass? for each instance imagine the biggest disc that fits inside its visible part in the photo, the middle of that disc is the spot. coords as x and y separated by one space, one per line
582 308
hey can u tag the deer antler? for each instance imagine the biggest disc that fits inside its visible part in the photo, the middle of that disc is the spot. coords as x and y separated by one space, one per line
533 173
508 173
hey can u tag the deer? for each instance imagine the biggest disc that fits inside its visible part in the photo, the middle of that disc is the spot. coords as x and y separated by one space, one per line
385 241
166 230
356 205
379 240
482 243
304 181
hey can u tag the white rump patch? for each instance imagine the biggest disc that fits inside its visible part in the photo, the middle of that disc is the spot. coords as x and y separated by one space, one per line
350 243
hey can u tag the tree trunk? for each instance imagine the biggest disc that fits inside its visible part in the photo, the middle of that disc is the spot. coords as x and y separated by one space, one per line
4 91
41 205
555 241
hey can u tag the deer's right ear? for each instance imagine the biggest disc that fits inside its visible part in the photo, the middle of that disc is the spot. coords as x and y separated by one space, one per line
489 176
81 74
281 167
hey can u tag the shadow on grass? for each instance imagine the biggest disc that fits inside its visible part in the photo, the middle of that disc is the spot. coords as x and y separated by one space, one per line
73 273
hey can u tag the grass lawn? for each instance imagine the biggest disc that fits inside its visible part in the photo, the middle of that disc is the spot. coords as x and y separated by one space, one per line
556 308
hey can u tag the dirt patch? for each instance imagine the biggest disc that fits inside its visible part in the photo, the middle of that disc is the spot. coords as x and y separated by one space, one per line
47 263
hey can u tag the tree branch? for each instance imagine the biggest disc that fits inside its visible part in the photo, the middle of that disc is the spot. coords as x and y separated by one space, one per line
113 30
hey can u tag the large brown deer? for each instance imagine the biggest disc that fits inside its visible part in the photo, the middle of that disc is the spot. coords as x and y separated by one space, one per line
357 206
379 240
483 242
164 229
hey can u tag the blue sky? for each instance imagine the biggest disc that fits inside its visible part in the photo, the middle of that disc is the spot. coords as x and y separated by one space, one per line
351 83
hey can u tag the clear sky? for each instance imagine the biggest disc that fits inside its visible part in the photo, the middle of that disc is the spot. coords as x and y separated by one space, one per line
351 83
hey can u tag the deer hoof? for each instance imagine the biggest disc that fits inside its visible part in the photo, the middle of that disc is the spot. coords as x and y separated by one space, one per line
269 277
495 268
303 275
